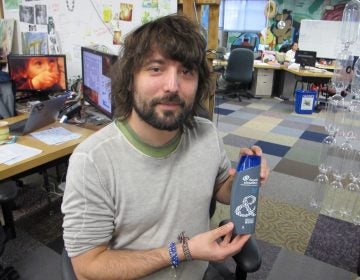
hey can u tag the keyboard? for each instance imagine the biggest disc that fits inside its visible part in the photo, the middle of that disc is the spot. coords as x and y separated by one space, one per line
18 126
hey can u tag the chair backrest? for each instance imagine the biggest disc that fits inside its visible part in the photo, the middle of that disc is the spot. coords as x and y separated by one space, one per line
7 99
240 66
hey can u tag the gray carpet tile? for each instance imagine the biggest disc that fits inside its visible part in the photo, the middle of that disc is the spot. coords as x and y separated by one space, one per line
238 141
305 151
17 248
231 120
274 114
226 127
272 161
296 169
294 266
243 115
316 128
40 264
269 254
287 131
294 124
289 189
341 240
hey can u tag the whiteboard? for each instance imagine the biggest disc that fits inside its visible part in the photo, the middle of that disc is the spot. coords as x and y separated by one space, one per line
81 23
323 36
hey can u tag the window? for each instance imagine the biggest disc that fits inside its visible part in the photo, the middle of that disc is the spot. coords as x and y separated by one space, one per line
242 15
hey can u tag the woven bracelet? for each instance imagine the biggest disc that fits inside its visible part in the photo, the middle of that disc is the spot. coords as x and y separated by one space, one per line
174 259
185 246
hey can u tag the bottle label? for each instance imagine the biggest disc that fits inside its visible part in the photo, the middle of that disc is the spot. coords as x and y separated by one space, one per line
244 195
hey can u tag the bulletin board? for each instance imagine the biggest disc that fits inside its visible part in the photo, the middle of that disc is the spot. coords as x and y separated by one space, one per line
64 26
323 36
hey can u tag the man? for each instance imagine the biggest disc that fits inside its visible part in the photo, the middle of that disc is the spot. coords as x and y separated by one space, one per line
290 54
135 185
246 43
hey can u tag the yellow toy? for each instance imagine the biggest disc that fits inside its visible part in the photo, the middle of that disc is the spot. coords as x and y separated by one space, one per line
267 38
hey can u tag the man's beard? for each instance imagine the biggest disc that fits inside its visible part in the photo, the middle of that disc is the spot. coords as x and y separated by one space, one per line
170 120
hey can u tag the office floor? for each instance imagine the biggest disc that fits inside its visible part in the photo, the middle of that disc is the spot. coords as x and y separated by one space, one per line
296 242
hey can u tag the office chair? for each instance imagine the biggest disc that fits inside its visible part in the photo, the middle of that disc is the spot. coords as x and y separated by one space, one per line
247 260
238 74
8 192
7 99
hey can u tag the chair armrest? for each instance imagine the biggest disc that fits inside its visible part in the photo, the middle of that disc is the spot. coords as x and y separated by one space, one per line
249 258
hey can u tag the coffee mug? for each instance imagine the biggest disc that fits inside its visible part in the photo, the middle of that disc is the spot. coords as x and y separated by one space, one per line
4 130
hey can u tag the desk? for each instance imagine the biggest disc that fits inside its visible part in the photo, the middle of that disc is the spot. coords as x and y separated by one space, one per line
51 154
279 80
292 76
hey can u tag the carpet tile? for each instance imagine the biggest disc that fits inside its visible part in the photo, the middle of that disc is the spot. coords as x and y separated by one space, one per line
341 240
303 151
243 115
288 131
273 149
238 141
222 111
250 132
284 140
294 124
313 136
284 225
297 169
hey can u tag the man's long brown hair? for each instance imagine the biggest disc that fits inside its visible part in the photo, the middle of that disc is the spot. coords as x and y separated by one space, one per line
176 38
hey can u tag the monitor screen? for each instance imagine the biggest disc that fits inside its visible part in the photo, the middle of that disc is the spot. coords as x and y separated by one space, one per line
305 58
96 67
38 73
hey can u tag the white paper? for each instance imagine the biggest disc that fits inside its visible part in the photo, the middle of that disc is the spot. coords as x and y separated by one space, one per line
55 136
14 153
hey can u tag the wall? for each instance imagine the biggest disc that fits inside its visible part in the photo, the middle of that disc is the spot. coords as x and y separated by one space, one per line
82 23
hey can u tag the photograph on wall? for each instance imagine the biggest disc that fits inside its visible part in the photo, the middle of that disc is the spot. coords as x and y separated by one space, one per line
26 14
6 36
11 4
126 12
41 14
150 4
34 42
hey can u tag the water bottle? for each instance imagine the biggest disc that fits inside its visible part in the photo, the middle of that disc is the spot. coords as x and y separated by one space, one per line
350 23
355 83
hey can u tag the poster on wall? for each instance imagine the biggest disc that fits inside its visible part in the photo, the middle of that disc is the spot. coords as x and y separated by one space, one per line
6 37
96 23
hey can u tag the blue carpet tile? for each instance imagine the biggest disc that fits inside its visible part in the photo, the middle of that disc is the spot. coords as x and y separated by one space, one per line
273 149
313 136
221 111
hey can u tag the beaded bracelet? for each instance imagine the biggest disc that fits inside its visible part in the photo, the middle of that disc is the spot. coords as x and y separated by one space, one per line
185 246
174 259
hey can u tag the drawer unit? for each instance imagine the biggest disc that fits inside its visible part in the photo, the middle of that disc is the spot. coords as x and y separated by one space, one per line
262 82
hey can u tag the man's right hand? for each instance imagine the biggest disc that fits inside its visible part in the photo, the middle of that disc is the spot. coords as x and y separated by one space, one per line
209 246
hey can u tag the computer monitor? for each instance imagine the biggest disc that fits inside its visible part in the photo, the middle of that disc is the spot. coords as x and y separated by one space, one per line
305 58
38 75
96 67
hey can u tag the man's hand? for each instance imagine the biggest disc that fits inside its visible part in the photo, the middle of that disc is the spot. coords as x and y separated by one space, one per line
208 246
256 150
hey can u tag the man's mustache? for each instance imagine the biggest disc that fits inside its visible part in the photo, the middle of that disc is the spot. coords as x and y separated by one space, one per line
169 99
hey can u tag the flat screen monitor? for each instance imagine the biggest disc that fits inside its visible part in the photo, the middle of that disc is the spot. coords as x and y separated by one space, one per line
96 67
40 74
305 58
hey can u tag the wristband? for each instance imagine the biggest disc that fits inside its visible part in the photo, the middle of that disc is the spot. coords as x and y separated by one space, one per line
185 246
174 259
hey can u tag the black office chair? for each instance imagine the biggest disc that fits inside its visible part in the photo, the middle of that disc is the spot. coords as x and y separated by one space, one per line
7 99
247 260
238 74
8 192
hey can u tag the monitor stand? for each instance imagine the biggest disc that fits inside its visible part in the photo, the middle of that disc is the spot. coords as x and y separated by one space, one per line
94 116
